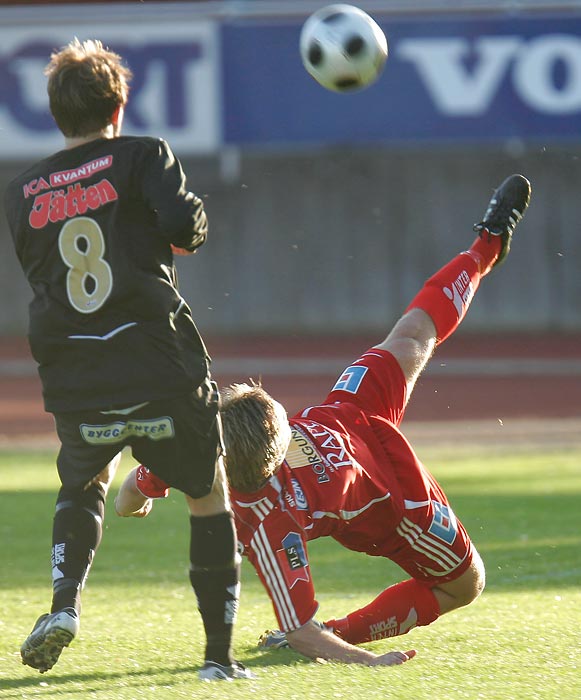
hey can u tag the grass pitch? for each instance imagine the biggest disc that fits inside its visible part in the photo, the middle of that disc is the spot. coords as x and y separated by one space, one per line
141 635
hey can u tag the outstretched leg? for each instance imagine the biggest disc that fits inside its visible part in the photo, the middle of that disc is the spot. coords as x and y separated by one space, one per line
439 307
432 316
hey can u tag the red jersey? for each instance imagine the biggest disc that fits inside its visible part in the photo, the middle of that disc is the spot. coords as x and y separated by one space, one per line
350 474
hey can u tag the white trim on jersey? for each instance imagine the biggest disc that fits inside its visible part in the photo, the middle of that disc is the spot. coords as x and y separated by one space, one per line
125 411
305 413
274 579
369 353
320 514
107 336
260 508
430 547
263 506
349 514
411 505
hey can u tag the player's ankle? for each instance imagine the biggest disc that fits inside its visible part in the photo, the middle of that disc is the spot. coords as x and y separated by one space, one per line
485 252
339 627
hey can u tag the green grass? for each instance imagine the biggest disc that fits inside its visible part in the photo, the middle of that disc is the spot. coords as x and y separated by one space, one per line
141 635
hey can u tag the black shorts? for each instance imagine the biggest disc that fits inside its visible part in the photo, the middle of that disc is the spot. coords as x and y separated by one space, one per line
178 439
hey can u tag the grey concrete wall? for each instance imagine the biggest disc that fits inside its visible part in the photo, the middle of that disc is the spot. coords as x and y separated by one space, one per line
341 240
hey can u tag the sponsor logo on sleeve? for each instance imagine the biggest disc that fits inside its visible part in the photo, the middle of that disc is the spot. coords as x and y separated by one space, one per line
293 560
300 498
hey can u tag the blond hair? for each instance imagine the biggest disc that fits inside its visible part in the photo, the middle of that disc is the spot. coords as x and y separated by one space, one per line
256 435
86 84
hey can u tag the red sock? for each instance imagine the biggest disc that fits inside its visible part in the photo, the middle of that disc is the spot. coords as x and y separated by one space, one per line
446 296
396 611
487 249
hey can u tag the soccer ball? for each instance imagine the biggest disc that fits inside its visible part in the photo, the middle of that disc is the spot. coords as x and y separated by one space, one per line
343 48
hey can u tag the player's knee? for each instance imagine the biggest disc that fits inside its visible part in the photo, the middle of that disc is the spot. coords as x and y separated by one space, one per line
105 477
479 575
463 590
473 582
90 498
216 502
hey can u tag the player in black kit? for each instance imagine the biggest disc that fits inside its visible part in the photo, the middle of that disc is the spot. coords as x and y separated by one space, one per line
95 227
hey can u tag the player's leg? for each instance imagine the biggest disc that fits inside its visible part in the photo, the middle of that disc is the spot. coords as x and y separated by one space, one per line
439 307
214 568
399 608
433 547
463 590
215 577
77 531
432 316
412 342
411 603
215 564
192 462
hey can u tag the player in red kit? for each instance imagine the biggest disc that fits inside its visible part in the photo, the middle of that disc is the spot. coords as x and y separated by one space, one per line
343 469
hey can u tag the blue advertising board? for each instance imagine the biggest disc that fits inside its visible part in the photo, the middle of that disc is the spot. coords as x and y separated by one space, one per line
206 82
464 79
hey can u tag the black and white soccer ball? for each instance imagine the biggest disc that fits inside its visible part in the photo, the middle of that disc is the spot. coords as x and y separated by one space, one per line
343 48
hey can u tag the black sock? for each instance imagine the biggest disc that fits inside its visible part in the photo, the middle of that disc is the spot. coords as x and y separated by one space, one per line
77 530
215 578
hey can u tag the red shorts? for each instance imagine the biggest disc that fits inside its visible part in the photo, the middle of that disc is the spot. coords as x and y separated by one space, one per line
425 538
375 383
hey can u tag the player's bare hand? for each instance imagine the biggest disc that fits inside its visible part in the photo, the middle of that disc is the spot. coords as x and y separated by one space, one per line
394 658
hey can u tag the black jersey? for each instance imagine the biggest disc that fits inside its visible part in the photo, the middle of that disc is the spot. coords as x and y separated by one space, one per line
93 228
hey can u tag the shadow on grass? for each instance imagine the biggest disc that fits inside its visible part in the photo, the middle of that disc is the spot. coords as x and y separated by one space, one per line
146 677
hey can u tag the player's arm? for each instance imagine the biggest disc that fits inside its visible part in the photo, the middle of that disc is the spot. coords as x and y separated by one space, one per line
279 555
316 642
181 214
